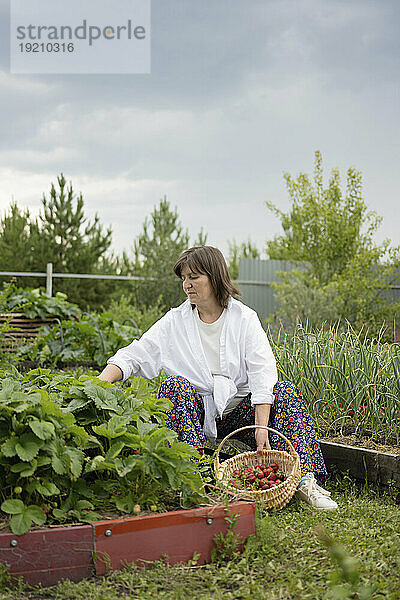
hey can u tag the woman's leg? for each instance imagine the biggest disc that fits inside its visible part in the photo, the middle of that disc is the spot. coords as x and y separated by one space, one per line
183 418
290 417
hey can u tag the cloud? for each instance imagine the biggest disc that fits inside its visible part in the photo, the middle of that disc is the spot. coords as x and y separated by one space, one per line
239 92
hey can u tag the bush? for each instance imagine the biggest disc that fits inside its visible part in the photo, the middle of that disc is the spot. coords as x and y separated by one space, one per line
124 309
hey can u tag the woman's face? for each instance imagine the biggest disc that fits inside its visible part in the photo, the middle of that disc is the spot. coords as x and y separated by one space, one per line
197 286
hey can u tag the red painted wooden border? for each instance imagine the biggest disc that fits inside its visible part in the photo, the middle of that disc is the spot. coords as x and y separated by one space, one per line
46 556
177 535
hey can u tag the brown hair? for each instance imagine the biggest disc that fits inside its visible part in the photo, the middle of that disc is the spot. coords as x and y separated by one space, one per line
209 261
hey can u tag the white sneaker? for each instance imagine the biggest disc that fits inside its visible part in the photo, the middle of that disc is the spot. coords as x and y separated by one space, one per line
314 495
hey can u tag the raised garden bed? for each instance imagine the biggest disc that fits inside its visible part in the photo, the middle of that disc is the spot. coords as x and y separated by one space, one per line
364 464
46 556
21 328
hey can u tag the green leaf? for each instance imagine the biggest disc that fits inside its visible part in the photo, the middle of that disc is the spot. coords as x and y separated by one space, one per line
43 460
115 449
58 465
59 514
77 404
20 523
13 506
79 433
84 504
27 447
51 409
95 464
76 458
145 428
89 517
44 488
43 429
36 514
103 398
115 427
124 466
8 448
125 503
23 401
25 469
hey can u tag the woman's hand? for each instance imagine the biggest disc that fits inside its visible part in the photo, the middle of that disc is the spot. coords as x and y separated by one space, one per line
262 440
261 435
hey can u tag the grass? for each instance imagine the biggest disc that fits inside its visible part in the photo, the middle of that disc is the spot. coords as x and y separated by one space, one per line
286 560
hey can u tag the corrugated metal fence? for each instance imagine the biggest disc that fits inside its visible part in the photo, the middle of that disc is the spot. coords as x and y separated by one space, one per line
256 276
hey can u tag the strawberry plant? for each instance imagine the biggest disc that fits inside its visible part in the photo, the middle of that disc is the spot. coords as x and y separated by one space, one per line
70 447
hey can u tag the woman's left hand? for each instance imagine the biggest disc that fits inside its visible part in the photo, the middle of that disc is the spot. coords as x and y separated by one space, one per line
262 418
262 440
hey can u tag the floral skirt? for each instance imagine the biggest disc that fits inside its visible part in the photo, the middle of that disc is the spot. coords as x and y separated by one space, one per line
289 416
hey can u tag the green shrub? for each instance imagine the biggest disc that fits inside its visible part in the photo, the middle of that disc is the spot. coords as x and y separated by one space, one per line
124 309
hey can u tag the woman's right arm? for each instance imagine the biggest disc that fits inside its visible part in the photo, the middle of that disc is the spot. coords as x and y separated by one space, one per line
111 373
141 357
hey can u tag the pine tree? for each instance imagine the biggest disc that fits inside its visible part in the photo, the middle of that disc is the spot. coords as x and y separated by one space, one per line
14 240
64 237
16 244
156 250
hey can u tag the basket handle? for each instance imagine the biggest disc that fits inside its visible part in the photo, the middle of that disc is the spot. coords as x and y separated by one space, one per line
216 459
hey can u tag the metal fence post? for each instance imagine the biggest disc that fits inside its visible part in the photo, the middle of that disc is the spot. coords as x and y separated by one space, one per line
49 279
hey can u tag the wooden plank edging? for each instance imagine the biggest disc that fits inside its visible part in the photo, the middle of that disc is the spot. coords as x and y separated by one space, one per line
49 555
374 466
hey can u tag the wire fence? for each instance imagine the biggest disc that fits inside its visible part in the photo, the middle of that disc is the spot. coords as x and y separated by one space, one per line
50 275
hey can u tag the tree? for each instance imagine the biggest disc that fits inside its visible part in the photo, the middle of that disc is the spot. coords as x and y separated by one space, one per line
201 239
156 250
63 236
345 274
73 244
324 227
15 241
236 251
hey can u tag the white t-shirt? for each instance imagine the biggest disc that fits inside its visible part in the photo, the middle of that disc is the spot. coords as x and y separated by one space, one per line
210 334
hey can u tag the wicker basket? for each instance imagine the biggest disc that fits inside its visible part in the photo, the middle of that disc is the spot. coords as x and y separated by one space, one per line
288 462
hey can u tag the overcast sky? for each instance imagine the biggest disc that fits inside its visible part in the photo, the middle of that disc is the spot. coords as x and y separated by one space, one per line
239 92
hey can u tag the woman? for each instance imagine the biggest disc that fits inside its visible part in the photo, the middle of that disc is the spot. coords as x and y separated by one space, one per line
221 371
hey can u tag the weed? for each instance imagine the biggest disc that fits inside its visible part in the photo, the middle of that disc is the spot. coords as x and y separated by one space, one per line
227 545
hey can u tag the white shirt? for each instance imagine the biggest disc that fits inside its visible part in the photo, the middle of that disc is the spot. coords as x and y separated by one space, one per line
210 334
173 344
